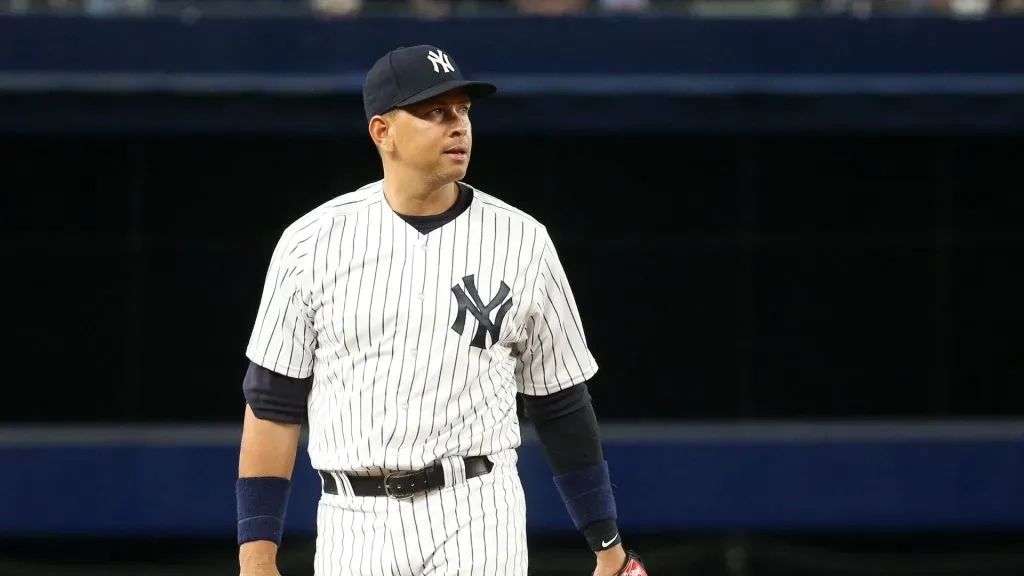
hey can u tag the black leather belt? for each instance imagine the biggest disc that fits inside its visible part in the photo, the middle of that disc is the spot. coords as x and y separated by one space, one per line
402 485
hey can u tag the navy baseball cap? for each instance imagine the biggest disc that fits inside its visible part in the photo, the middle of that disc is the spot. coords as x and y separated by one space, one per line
405 76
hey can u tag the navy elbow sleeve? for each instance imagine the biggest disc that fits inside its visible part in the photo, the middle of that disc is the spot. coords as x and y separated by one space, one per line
567 429
276 397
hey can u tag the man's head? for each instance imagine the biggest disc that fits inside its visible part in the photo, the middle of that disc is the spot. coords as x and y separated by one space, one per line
433 137
417 104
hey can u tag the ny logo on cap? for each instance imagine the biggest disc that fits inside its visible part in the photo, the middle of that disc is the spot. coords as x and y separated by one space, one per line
440 61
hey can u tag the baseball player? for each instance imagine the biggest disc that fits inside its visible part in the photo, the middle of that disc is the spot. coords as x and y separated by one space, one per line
401 320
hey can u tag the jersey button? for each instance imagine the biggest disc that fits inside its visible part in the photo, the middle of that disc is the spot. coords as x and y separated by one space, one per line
420 296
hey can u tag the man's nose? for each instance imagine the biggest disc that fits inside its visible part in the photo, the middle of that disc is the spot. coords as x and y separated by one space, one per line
460 126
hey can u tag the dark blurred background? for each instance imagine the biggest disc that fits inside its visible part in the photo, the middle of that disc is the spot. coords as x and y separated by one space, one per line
791 228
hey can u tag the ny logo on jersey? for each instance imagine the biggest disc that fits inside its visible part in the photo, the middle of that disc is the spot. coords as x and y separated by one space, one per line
475 306
440 61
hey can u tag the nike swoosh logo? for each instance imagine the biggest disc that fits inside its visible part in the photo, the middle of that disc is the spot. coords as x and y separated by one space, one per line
608 543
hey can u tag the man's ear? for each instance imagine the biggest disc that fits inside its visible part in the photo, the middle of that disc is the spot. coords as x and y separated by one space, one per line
381 131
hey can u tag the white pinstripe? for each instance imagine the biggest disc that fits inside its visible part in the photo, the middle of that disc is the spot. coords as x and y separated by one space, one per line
364 303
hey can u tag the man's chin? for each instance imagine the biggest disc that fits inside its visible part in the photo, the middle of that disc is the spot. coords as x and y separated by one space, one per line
453 174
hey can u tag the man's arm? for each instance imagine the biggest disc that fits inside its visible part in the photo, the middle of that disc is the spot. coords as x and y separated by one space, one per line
274 411
280 349
554 364
267 453
567 430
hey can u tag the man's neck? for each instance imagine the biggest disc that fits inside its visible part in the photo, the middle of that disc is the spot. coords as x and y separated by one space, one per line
419 198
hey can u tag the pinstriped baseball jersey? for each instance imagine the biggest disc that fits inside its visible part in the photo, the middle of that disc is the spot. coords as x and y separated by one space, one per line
417 343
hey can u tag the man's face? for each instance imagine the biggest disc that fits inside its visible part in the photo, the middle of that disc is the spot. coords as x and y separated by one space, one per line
435 136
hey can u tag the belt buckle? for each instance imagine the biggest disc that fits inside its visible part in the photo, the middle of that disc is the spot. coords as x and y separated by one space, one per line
387 487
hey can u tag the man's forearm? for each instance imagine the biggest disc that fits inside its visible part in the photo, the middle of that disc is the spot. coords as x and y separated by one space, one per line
267 450
567 429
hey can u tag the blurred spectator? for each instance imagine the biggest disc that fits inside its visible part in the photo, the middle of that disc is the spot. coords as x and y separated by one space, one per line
89 7
439 8
550 7
742 8
624 5
337 8
954 7
432 8
977 7
968 7
1007 6
114 7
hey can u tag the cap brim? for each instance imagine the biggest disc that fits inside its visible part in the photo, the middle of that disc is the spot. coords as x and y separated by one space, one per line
474 89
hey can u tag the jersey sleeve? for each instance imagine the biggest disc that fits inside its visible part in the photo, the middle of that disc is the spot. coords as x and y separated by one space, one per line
554 355
282 338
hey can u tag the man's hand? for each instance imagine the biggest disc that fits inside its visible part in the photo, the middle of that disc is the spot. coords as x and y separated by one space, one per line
610 561
615 561
258 559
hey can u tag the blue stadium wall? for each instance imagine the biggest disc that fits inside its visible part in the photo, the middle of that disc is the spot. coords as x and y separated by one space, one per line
651 72
820 478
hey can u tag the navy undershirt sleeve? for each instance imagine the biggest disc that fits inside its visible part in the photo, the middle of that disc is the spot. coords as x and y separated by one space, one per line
566 427
567 430
274 396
